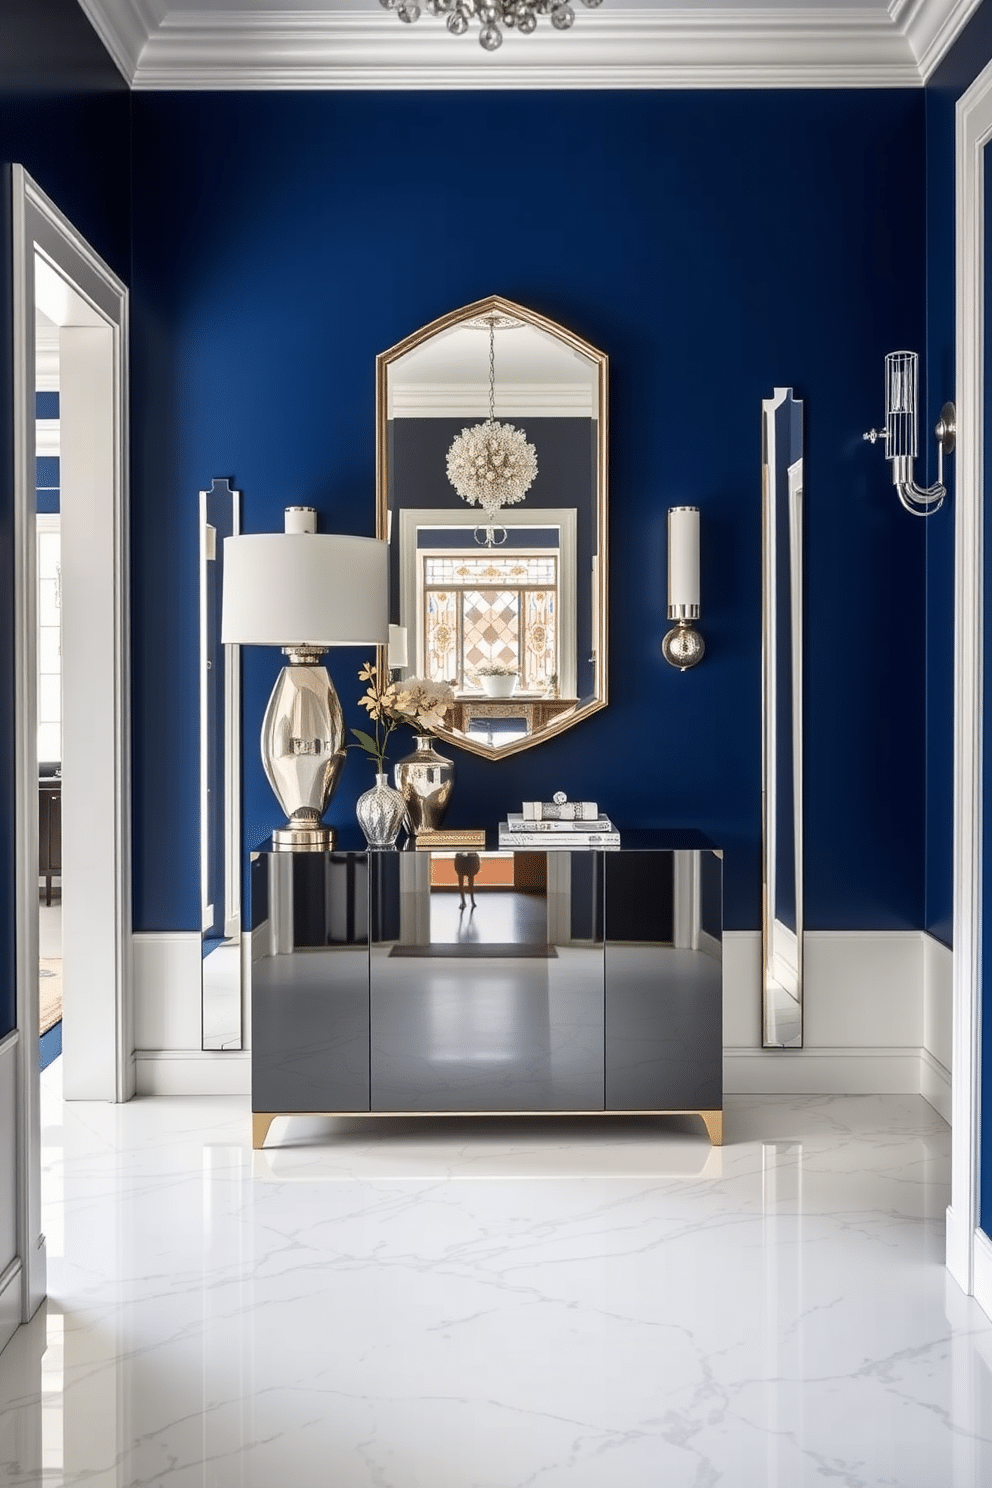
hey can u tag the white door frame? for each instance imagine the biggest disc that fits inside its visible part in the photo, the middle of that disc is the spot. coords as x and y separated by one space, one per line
966 1247
99 751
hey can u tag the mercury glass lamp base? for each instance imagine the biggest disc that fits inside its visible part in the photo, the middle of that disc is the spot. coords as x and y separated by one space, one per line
304 839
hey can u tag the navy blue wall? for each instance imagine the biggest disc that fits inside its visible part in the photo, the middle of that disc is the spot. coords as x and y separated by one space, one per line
966 59
281 241
64 115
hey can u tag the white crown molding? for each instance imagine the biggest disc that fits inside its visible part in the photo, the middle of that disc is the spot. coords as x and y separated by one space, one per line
156 46
609 48
124 27
932 27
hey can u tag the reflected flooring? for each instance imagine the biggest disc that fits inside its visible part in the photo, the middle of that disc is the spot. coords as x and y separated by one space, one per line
500 915
783 1017
493 1304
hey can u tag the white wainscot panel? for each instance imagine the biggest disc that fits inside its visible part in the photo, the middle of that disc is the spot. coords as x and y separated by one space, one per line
742 989
10 1271
863 989
936 1058
167 990
863 1017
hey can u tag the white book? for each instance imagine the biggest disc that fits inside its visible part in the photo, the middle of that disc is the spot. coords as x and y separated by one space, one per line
514 839
519 823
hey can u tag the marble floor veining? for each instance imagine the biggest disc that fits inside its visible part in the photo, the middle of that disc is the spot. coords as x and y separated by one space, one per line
498 1304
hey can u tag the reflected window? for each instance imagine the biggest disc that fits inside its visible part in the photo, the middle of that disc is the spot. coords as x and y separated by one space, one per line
482 611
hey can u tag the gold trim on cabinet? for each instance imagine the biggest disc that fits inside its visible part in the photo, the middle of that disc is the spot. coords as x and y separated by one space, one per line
261 1121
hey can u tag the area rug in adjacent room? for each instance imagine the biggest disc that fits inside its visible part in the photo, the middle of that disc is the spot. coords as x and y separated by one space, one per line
49 992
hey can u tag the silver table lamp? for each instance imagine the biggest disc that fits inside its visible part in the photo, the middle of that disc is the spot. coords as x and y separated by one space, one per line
304 591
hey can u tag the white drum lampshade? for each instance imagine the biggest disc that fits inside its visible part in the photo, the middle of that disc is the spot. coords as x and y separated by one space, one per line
304 591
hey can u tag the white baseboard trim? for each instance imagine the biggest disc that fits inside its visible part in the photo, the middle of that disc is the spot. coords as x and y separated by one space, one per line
10 1301
819 1071
983 1271
935 1084
193 1071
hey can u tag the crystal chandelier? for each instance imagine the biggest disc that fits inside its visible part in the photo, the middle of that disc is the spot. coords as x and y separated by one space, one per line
492 465
491 15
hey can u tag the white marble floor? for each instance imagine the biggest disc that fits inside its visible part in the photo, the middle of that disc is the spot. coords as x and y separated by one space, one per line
570 1304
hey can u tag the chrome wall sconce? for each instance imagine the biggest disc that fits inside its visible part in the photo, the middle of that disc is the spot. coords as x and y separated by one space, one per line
683 646
900 434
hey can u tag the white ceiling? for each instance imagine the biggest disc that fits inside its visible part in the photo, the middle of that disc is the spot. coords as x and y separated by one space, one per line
217 44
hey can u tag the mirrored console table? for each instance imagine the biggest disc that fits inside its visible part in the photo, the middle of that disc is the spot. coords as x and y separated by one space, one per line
576 981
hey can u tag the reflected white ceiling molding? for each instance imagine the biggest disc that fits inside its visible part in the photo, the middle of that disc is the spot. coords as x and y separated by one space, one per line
56 300
238 44
519 400
47 436
46 355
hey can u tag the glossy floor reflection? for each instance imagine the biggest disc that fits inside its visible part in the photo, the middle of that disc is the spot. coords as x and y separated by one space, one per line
502 916
475 1304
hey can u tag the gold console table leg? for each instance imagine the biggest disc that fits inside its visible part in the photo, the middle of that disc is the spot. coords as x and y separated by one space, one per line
260 1123
713 1122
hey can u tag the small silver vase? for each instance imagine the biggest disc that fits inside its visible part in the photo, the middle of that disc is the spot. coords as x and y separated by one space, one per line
380 813
425 779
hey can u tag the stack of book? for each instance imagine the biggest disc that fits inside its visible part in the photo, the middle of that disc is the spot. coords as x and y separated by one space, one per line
526 833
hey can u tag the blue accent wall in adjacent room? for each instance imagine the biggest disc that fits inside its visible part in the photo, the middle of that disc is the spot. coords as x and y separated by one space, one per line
966 59
715 245
64 115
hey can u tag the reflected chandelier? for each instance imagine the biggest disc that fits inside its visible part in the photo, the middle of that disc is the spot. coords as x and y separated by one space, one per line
491 15
492 465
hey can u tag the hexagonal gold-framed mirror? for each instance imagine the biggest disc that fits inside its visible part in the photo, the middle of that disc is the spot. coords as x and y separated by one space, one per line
492 494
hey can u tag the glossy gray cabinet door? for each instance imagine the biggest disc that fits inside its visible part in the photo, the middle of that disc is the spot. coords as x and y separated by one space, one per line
497 1006
310 993
664 981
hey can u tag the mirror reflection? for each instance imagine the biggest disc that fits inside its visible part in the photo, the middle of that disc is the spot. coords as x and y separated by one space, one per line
492 494
220 752
782 928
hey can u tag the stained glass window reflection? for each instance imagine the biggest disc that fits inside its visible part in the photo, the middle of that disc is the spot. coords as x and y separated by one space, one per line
485 611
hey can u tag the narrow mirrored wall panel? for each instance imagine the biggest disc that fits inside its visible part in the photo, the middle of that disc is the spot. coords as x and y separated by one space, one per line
492 495
782 929
220 784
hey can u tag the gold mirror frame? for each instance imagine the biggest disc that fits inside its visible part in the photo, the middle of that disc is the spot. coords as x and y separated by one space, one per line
598 580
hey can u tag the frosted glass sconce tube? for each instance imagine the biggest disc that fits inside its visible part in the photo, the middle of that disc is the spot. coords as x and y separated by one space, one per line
683 646
902 374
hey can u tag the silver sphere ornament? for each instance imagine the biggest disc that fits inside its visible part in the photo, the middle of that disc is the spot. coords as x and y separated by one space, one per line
527 22
490 38
562 17
408 13
683 647
457 23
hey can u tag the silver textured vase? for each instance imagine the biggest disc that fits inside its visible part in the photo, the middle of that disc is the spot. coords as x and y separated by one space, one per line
425 779
380 813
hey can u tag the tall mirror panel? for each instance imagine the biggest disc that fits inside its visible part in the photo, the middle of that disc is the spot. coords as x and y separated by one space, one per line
492 496
220 783
782 641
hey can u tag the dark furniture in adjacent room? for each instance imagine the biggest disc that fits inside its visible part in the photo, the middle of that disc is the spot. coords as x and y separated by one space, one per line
49 829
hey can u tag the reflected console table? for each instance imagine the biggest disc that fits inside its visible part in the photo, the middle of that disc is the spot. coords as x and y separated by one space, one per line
580 981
